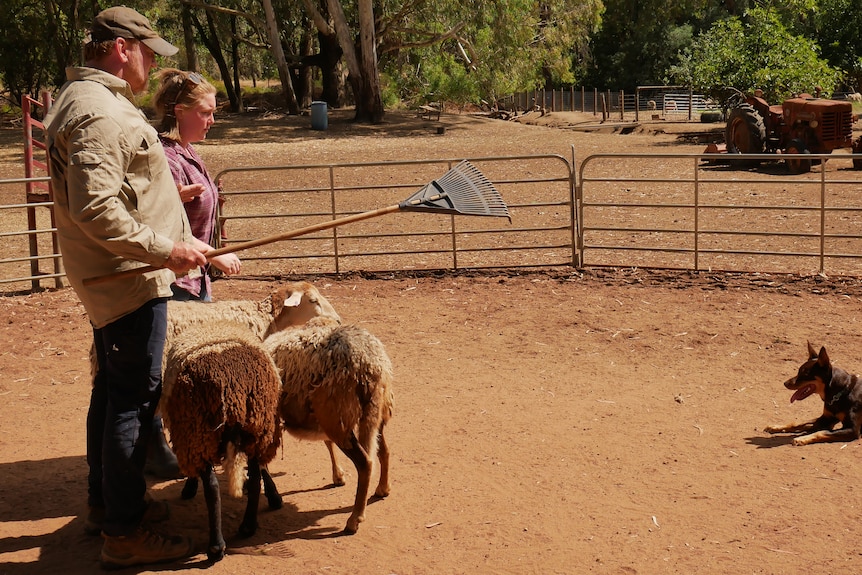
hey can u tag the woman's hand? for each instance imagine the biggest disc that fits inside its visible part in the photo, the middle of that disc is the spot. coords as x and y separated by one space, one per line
228 263
189 192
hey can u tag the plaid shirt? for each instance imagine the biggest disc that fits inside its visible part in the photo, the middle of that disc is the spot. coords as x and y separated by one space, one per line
187 168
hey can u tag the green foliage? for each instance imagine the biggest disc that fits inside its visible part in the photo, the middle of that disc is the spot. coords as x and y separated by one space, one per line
640 39
466 51
499 47
26 60
837 25
755 51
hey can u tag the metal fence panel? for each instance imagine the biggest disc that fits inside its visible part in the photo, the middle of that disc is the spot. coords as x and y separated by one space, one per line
687 211
263 201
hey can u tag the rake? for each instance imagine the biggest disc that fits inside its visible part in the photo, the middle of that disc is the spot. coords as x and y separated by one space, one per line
463 190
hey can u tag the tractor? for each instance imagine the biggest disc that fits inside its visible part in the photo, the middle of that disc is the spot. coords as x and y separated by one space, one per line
799 126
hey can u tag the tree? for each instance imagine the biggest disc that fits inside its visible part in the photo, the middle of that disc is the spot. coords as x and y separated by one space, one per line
34 50
278 54
483 49
640 39
362 72
755 52
837 25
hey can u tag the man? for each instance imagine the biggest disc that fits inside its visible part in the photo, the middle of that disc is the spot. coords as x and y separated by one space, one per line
116 206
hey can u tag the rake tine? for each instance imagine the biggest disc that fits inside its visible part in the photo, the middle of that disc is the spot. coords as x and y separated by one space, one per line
463 190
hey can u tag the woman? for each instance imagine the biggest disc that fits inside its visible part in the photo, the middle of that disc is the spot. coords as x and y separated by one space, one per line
185 103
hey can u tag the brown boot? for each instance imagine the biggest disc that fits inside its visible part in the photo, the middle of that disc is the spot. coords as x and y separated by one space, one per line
143 547
156 512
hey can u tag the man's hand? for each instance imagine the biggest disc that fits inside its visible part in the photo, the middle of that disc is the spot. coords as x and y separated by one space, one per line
184 257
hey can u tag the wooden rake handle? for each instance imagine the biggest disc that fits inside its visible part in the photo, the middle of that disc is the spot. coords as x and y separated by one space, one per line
255 243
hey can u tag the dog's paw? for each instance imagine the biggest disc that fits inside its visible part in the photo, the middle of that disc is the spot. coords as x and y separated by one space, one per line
803 440
773 429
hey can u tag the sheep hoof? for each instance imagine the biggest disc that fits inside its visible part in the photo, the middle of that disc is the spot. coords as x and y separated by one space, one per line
381 492
247 530
352 525
190 489
216 552
275 502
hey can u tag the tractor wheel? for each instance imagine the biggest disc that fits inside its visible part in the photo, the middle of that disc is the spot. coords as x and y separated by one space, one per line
795 157
745 132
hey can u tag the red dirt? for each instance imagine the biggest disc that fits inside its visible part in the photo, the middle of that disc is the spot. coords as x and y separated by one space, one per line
549 422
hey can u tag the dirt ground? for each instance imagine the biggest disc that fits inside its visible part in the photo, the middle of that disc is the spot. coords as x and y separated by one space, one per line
563 421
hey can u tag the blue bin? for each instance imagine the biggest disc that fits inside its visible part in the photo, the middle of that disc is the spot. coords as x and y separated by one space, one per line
319 119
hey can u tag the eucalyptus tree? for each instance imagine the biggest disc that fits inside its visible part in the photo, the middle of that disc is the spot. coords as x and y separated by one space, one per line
481 49
353 27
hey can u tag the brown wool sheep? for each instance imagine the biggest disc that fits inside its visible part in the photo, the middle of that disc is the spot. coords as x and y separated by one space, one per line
220 399
337 386
284 307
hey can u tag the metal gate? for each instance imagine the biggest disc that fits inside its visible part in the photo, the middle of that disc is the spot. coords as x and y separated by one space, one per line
696 212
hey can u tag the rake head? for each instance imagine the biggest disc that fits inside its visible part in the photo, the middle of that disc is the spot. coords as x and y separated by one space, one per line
462 190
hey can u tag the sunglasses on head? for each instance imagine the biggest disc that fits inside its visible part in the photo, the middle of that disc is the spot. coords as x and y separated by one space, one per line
192 80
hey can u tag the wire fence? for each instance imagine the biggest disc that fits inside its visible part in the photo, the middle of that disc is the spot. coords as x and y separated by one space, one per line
645 103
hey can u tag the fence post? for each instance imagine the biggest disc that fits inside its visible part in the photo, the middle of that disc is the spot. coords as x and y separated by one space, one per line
37 192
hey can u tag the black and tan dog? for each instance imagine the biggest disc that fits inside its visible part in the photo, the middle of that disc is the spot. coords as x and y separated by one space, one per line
842 401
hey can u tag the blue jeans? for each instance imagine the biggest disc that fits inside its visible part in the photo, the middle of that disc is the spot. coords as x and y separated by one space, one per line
126 391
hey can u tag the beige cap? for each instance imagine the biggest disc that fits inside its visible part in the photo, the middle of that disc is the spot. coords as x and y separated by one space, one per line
123 22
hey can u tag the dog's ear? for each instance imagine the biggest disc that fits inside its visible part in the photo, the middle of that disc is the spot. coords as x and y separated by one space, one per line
812 353
823 357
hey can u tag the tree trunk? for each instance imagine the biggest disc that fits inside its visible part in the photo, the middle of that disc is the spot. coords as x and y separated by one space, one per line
189 40
213 45
305 79
234 49
369 103
354 70
280 60
331 71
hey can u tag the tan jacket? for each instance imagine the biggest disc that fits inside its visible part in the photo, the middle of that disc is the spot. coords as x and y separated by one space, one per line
115 201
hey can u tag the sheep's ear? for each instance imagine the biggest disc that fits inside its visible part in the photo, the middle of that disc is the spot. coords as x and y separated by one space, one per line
294 300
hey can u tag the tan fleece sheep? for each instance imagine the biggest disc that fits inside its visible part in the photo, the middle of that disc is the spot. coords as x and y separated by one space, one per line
337 386
223 395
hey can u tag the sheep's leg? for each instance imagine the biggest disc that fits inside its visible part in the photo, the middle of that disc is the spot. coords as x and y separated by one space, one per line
249 522
190 489
362 461
337 471
216 549
273 497
382 455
